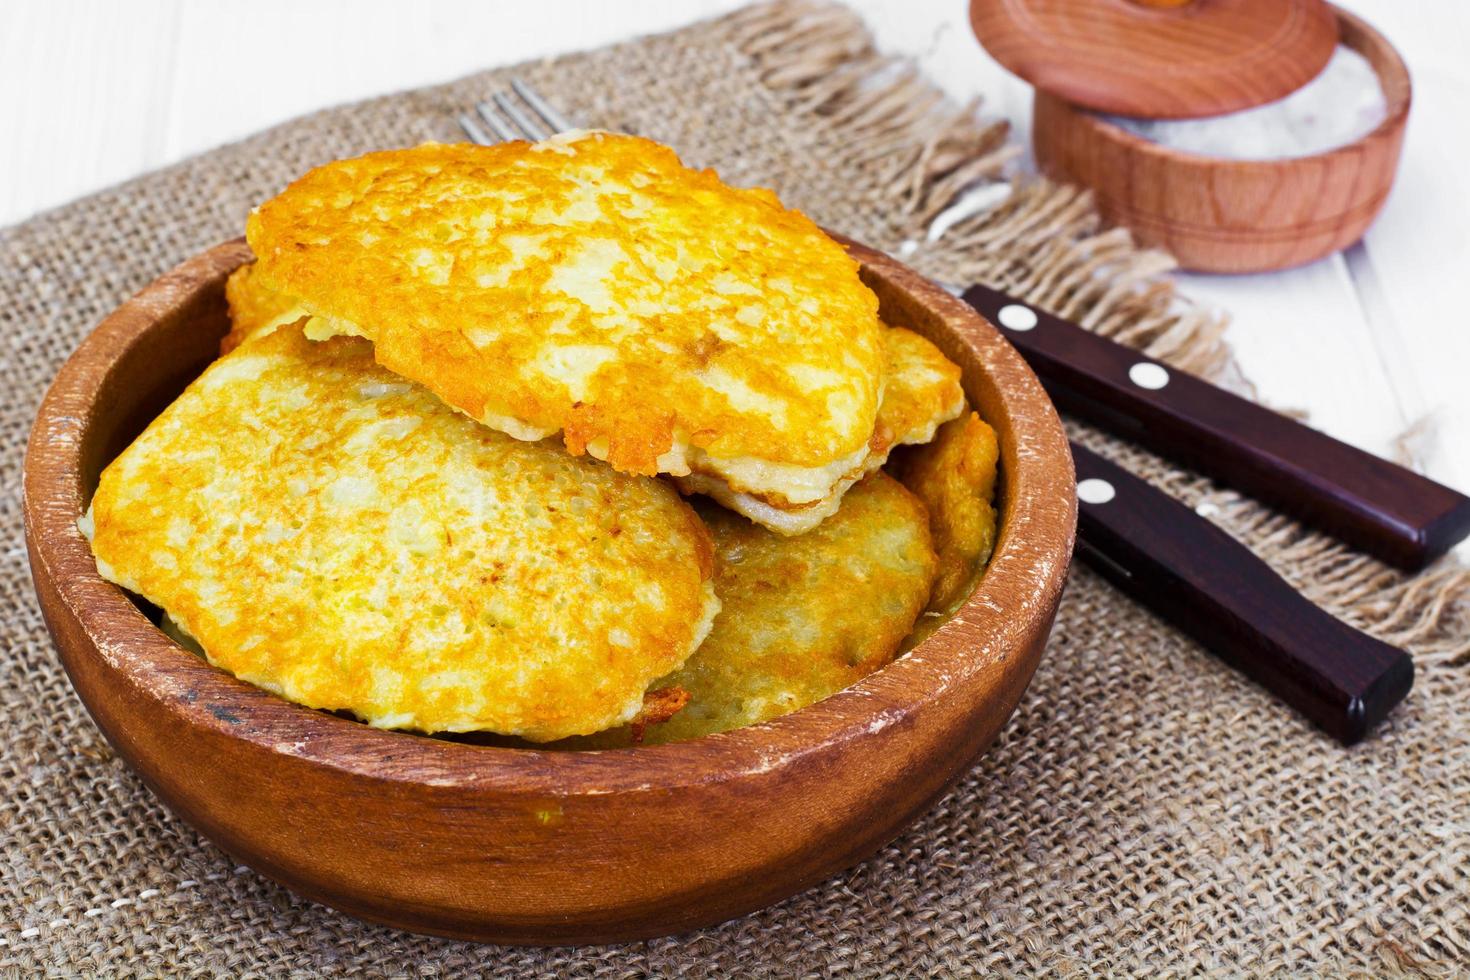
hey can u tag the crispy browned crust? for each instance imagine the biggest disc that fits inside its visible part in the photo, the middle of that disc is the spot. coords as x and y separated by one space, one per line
658 707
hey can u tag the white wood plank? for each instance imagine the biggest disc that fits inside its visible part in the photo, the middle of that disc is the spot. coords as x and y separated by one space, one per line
1301 339
1415 265
85 86
321 54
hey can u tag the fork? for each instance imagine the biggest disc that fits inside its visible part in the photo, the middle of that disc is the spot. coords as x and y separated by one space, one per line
1153 547
507 120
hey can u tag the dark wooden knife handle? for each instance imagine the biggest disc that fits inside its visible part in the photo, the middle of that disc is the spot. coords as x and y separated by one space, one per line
1212 587
1386 510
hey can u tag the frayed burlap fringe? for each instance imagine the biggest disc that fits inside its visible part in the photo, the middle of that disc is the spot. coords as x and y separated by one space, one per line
1146 812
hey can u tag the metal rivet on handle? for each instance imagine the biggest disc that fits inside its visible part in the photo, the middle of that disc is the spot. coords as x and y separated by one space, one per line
1148 375
1014 316
1095 491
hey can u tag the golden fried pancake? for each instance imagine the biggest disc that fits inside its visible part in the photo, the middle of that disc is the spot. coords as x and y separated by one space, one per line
593 286
921 392
336 534
802 617
255 308
955 478
922 389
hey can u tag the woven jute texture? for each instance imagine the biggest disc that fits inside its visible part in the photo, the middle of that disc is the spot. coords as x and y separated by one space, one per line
1146 811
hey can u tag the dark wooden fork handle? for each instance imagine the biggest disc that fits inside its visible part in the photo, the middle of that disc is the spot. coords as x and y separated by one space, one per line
1212 587
1386 510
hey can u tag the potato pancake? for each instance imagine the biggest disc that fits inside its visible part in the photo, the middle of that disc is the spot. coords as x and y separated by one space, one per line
955 478
801 617
255 308
921 391
594 287
334 533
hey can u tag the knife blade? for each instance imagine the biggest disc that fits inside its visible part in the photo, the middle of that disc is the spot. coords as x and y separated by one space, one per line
1189 571
1386 510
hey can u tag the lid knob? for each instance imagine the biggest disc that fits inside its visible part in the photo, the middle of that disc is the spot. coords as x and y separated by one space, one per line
1161 59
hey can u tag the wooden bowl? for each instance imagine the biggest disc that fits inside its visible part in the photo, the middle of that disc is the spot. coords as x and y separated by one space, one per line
524 845
1218 215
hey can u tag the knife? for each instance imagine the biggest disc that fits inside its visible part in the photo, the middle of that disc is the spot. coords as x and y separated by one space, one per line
1212 587
1386 510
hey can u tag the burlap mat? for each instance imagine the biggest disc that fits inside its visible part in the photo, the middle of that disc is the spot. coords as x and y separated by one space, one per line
1147 810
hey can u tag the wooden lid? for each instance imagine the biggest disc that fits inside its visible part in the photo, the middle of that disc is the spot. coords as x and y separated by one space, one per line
1160 59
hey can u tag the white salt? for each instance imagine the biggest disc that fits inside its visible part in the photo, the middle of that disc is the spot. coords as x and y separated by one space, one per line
1342 104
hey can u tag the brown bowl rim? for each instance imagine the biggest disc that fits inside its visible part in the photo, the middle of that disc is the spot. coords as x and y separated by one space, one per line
1393 76
1030 561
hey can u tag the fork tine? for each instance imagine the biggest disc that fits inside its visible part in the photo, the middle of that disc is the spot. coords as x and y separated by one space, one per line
473 130
544 109
499 126
533 130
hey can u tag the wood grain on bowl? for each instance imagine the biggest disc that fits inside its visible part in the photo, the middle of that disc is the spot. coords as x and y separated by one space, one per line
1219 215
523 845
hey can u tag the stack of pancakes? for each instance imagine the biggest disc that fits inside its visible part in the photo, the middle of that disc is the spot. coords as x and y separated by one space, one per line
551 440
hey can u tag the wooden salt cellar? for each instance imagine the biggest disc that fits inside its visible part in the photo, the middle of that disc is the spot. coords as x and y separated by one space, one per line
1194 58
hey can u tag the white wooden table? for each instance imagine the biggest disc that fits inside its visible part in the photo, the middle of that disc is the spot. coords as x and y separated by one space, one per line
95 92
